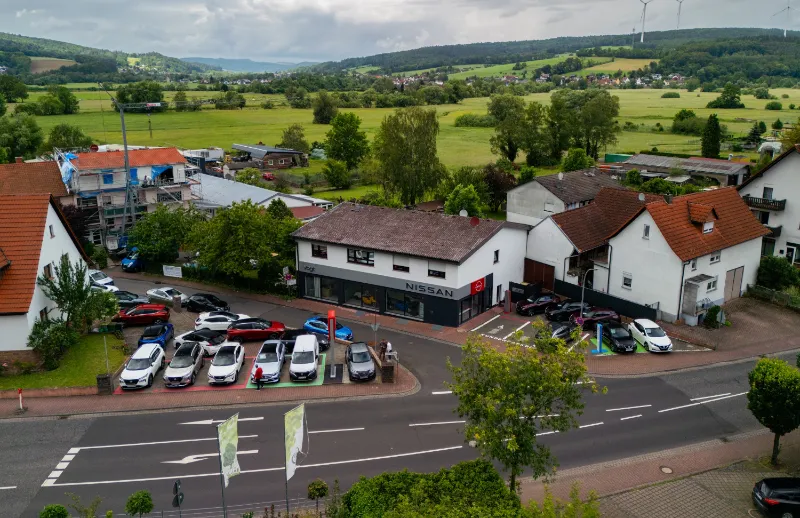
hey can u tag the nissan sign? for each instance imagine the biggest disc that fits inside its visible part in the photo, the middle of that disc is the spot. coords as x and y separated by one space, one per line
430 290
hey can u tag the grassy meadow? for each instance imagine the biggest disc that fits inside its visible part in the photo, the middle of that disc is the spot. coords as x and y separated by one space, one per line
609 67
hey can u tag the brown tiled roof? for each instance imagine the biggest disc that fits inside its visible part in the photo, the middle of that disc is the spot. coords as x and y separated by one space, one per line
590 226
577 186
136 158
309 212
701 213
31 178
735 223
409 232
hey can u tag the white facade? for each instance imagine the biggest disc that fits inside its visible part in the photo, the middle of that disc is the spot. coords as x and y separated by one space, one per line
530 203
547 244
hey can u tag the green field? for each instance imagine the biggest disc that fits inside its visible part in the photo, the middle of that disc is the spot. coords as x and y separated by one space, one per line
626 65
508 68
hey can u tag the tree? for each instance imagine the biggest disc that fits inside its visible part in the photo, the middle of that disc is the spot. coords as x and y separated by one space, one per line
405 144
712 137
48 105
754 136
463 198
54 511
3 107
294 137
75 218
84 511
345 141
250 176
633 178
777 125
279 210
730 98
161 233
597 127
535 138
762 127
230 100
337 174
776 273
67 138
180 101
12 88
50 339
317 489
142 92
526 174
141 502
576 160
68 100
774 398
20 136
498 183
508 112
69 288
509 397
325 108
575 508
762 93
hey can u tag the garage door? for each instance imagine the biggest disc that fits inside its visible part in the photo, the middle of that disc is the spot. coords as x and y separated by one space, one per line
733 283
540 272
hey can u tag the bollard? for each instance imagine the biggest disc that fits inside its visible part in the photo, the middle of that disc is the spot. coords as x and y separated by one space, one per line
21 407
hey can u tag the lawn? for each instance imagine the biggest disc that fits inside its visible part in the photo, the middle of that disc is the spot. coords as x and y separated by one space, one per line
355 192
79 366
508 68
624 64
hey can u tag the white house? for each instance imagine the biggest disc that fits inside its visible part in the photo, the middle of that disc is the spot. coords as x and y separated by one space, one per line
418 265
774 197
693 252
33 237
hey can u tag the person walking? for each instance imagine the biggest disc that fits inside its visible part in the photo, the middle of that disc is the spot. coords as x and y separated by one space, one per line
259 377
382 350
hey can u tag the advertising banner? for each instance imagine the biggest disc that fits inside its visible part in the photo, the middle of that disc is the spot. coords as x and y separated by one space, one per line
293 421
228 435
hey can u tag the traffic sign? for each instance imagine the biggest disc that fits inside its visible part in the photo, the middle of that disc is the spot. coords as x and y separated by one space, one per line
176 487
177 500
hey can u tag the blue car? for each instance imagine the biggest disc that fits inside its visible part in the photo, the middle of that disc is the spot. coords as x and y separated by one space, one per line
319 325
159 334
132 262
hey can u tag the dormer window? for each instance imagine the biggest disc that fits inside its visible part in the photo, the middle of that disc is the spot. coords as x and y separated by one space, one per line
708 227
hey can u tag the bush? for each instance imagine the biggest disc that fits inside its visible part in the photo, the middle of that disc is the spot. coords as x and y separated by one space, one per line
785 96
526 174
711 319
473 120
576 159
50 339
336 174
268 104
54 511
776 273
29 108
774 105
762 93
671 95
24 367
792 106
100 257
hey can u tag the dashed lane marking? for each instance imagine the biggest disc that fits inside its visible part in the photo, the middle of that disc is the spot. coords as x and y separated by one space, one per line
437 423
441 392
702 402
630 417
335 431
520 328
590 425
710 397
7 487
490 320
628 408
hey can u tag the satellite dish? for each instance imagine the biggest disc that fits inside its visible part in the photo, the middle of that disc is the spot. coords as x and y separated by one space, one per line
560 176
463 213
473 221
641 197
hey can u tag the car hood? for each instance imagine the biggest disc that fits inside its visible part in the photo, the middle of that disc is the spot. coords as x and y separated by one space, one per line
343 332
625 342
361 367
659 341
268 368
221 370
183 371
302 367
133 375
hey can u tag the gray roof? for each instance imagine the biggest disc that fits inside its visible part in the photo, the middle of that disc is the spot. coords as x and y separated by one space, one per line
409 232
691 165
578 186
260 151
699 279
222 193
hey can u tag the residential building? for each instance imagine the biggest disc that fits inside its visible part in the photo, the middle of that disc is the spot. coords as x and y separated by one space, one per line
33 237
724 172
34 178
417 265
544 196
773 194
273 157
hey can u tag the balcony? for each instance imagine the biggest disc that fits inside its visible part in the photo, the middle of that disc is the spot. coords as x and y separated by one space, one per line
776 231
172 197
119 211
765 203
149 183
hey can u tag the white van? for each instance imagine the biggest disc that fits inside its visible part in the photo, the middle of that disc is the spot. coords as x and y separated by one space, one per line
305 357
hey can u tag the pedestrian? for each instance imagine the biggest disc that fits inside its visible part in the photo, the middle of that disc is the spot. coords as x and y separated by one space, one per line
382 350
389 349
259 377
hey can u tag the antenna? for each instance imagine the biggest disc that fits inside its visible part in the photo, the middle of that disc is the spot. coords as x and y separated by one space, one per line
641 197
644 15
788 11
680 4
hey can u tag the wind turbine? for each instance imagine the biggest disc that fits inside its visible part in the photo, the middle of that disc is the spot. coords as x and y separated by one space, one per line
644 15
680 4
788 11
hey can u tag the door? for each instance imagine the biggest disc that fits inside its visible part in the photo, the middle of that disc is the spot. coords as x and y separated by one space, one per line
790 254
733 283
499 294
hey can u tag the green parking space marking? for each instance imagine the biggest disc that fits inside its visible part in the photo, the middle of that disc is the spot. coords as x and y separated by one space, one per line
284 384
608 352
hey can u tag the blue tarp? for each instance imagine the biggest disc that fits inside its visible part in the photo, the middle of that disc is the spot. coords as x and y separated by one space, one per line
157 170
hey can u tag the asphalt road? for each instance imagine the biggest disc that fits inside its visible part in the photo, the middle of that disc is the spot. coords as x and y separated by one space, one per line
116 455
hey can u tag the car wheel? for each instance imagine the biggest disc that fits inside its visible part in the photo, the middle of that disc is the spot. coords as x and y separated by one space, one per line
273 336
150 381
158 321
237 339
194 378
163 363
531 312
787 515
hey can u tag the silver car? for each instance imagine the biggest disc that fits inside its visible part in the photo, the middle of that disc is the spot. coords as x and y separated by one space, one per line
270 358
184 366
359 362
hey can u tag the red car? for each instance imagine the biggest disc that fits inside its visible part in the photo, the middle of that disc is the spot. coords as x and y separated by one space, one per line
268 176
595 316
146 314
252 329
540 304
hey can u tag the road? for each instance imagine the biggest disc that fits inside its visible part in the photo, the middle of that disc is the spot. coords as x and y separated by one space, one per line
116 455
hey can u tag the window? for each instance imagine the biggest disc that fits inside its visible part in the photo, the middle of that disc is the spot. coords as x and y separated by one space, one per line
767 193
108 179
708 227
360 295
134 175
496 256
712 284
401 264
627 280
716 257
43 314
270 162
48 271
52 232
405 304
694 264
280 161
360 257
320 251
436 269
646 232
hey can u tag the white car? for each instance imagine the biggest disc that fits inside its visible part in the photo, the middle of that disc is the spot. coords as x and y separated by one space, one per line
104 287
305 358
184 366
165 294
98 278
226 365
650 335
217 320
142 367
210 341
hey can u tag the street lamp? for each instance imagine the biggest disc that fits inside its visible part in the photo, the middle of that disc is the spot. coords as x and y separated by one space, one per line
583 288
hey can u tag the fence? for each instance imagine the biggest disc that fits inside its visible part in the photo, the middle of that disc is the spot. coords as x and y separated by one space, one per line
596 298
779 298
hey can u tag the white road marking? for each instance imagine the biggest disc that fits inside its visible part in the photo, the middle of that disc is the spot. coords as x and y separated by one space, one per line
62 465
590 425
630 417
76 450
212 421
334 431
434 424
546 433
496 329
55 474
584 382
628 408
702 402
203 456
67 458
397 455
7 487
710 397
520 328
441 392
490 320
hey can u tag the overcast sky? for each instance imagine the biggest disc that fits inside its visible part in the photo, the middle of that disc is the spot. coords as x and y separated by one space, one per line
319 30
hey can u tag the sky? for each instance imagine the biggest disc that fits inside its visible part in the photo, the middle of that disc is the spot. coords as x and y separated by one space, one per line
322 30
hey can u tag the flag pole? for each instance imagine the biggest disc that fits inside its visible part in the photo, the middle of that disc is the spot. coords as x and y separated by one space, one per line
221 476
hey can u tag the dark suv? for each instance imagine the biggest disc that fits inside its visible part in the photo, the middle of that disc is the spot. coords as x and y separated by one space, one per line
290 335
778 496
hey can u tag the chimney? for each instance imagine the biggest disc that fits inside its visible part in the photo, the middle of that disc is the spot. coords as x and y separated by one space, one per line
18 159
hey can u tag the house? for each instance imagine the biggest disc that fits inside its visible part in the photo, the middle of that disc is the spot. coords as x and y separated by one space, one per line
687 254
99 180
34 178
572 246
34 235
273 157
423 266
308 213
230 169
770 194
544 196
724 172
430 206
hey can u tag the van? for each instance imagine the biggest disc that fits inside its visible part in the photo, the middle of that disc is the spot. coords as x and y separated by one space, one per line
305 358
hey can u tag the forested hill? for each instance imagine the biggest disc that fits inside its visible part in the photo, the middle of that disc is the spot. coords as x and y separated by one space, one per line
514 51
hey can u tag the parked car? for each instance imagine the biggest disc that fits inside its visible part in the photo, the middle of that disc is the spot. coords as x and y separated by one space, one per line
185 365
209 340
778 496
594 316
562 311
248 330
318 325
217 320
126 299
303 366
618 338
563 330
359 362
143 314
98 278
165 294
268 176
650 335
133 261
289 337
206 302
270 358
159 334
142 367
226 365
533 305
104 287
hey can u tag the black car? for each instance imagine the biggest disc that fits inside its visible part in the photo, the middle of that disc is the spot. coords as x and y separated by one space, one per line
201 302
126 299
595 316
778 496
290 335
561 312
618 338
533 305
563 330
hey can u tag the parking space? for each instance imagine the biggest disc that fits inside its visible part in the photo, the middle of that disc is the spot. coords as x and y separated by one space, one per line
502 327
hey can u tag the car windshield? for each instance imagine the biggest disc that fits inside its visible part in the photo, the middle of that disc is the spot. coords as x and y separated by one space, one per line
179 362
339 326
361 357
172 292
133 256
217 340
151 332
138 364
655 332
619 332
303 357
270 357
99 276
221 360
131 311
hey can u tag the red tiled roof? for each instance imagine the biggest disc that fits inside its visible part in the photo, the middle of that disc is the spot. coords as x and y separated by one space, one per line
31 178
701 213
735 223
590 226
136 158
303 213
22 221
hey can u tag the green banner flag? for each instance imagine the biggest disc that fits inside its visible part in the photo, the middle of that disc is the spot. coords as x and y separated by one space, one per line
228 434
293 437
